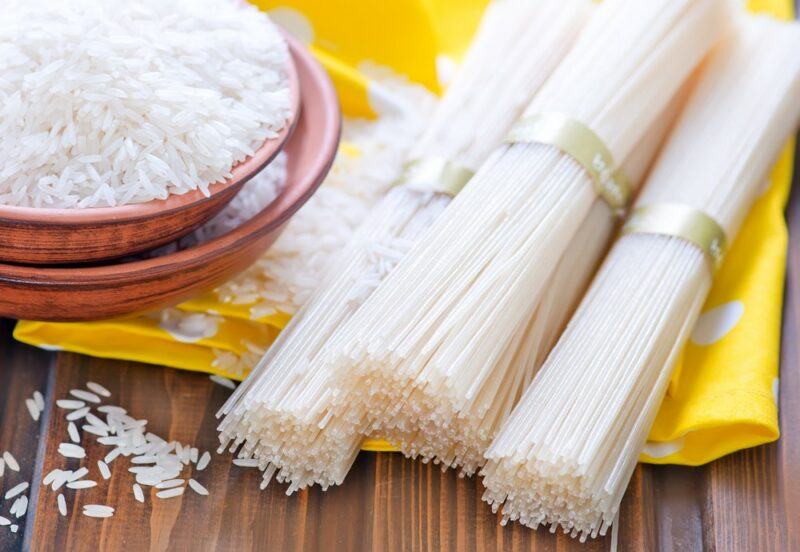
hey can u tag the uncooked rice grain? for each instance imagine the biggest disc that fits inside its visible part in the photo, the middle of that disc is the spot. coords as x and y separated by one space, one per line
70 404
192 98
138 494
224 382
82 484
74 476
104 471
205 458
98 510
109 409
84 395
170 483
69 450
111 456
20 506
95 421
14 491
50 477
98 389
78 414
33 410
11 462
170 493
198 488
74 436
62 505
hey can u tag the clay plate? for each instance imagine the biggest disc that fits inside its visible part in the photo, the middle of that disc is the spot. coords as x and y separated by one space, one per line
85 293
62 236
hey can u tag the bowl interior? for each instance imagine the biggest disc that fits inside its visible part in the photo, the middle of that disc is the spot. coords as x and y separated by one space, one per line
241 173
310 153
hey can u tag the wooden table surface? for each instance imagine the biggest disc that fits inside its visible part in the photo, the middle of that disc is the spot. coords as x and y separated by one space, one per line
746 501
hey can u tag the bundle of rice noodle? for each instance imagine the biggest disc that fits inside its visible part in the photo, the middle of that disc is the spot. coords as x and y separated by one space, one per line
567 452
279 413
439 354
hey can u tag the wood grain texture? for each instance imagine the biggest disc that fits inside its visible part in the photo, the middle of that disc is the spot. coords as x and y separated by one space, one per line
748 501
23 370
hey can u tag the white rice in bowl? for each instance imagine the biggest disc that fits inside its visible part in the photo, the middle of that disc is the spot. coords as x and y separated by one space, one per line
104 103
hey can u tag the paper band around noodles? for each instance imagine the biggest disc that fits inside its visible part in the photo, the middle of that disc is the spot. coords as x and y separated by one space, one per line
584 146
680 221
436 174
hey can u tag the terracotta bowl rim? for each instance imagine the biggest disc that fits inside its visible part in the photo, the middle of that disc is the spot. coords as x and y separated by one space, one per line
241 173
266 221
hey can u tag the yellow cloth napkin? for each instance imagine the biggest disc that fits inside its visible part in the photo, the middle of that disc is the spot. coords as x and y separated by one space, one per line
723 396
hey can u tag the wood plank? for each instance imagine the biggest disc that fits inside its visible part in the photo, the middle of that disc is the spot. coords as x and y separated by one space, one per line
23 370
788 446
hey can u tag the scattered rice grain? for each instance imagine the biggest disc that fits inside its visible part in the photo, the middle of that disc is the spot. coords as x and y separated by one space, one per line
198 488
11 462
170 483
14 491
74 436
69 450
84 395
20 506
98 389
224 382
38 398
204 460
138 493
170 493
104 471
82 484
78 414
77 474
33 410
70 404
98 511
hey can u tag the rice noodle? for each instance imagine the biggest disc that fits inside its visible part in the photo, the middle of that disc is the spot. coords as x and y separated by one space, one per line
280 412
567 452
438 355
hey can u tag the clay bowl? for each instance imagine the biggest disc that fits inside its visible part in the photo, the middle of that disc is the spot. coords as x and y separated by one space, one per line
62 236
115 289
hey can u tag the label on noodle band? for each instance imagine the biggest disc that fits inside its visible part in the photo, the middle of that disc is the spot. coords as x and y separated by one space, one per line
584 146
680 221
435 174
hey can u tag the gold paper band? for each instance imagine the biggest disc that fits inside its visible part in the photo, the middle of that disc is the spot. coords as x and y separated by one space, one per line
681 221
579 142
436 174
